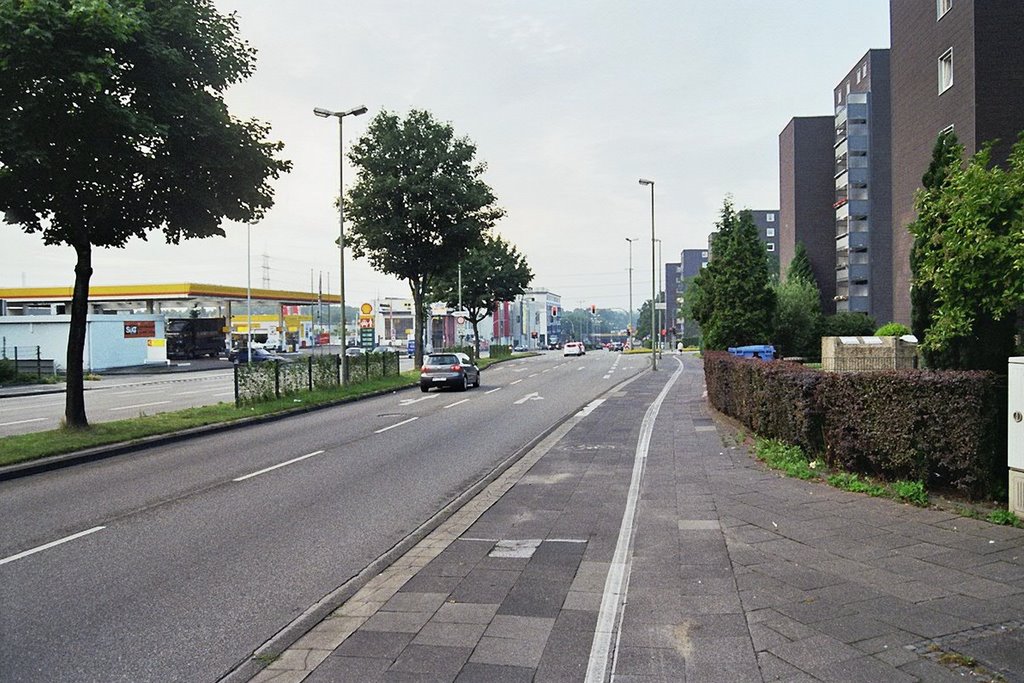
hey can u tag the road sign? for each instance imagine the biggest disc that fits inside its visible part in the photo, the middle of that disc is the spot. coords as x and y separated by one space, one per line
365 323
366 309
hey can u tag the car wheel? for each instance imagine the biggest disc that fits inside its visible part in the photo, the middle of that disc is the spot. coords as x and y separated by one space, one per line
424 388
465 383
476 382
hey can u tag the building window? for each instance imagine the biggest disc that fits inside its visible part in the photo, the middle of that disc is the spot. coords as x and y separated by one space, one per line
941 7
770 218
771 246
769 232
946 71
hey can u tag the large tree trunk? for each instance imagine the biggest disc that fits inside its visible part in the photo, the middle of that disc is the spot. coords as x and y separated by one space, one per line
417 306
74 402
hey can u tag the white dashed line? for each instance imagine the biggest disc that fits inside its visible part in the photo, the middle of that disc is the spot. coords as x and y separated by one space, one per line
516 382
47 546
452 405
274 467
397 424
141 405
493 390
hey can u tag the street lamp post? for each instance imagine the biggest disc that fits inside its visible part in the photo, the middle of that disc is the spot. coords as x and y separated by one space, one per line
654 353
631 240
340 115
661 326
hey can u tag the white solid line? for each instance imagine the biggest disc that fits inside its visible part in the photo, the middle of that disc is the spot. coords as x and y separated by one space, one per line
30 406
495 389
589 408
465 400
516 382
617 583
136 393
141 405
21 422
397 424
47 546
189 393
274 467
227 393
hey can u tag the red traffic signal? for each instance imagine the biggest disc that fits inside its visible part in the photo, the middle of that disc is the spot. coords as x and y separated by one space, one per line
554 311
593 308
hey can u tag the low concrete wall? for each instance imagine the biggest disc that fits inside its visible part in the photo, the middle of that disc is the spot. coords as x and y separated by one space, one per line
865 354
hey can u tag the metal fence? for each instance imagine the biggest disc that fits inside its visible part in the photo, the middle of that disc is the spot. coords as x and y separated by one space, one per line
27 360
256 382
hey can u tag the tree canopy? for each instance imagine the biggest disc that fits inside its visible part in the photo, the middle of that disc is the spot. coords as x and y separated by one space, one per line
732 298
800 267
491 272
419 202
970 256
114 125
798 318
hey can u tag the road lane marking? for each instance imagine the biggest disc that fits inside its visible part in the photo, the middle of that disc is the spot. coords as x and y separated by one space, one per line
533 375
516 382
51 544
31 406
589 408
141 405
397 424
533 396
617 583
410 401
226 393
274 467
451 405
495 389
21 422
607 376
189 393
136 393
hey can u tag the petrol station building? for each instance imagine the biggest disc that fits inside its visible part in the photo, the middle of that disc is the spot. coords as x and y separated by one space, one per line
126 323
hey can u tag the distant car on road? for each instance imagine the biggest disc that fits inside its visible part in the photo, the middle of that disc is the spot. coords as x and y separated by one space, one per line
258 356
455 370
354 352
573 349
385 349
615 346
520 349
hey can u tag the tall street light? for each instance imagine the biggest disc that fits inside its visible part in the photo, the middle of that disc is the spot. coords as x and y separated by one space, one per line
340 115
631 240
654 353
660 291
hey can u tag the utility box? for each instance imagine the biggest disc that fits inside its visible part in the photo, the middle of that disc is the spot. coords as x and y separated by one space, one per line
1015 434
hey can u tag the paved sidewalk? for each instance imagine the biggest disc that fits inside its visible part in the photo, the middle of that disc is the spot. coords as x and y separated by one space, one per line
732 572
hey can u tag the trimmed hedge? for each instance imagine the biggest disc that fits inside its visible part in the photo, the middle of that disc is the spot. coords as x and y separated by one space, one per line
946 428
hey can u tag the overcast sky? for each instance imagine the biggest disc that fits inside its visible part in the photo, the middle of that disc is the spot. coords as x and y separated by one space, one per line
568 101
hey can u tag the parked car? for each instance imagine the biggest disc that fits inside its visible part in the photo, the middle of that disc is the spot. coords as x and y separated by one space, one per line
258 356
573 349
520 349
385 349
354 351
454 370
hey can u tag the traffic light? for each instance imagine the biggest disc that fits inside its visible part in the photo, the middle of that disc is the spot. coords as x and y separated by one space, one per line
593 308
554 311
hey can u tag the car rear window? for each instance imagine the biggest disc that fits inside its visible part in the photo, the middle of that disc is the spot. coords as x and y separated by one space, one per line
445 359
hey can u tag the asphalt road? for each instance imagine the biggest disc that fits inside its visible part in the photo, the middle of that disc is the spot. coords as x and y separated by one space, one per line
177 562
116 397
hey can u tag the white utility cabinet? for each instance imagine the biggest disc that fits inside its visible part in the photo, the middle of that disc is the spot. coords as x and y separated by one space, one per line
1015 434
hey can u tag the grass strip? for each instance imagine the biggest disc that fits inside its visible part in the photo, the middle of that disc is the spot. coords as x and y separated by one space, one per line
27 447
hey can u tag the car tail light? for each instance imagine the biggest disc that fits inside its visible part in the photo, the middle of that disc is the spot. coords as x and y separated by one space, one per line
423 369
456 367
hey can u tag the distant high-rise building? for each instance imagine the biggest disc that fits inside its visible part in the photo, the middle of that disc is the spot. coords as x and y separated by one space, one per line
690 263
806 198
956 65
863 189
767 222
671 292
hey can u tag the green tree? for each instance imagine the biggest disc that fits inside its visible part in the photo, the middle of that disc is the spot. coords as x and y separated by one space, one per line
800 267
973 259
798 318
419 202
114 125
848 324
643 318
732 298
492 272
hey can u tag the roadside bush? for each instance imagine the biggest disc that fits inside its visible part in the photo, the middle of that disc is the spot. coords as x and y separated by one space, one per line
892 330
500 351
8 372
938 427
946 429
775 400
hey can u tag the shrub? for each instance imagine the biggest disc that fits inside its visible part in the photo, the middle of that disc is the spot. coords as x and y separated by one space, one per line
7 370
848 324
892 330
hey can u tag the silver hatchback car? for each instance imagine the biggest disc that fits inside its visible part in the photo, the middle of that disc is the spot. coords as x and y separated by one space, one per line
454 370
